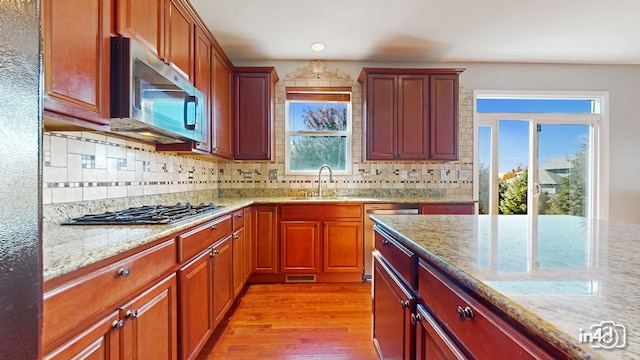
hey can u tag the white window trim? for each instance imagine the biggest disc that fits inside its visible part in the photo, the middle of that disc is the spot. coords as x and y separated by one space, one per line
600 183
288 133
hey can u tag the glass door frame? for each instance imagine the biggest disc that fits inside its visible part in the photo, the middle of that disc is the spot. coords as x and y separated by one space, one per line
599 149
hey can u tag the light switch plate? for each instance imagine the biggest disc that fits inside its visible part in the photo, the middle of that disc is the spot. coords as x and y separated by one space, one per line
443 174
463 174
273 174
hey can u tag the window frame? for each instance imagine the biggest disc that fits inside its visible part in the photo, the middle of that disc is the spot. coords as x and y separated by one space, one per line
318 95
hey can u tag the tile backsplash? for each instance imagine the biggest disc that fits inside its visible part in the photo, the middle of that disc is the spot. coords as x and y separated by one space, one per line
86 166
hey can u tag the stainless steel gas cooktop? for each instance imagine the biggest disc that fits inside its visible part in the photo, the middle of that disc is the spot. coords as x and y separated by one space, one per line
145 215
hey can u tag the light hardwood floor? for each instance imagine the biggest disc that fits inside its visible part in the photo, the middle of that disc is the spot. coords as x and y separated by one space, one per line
296 321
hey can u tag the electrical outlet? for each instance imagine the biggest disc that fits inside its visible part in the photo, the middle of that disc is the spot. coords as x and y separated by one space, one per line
403 174
413 174
273 174
443 174
463 174
247 175
189 174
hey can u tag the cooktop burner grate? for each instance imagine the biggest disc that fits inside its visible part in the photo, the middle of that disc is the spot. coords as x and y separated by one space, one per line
146 215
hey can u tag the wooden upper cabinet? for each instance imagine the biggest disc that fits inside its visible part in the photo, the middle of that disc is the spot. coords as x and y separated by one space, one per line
165 27
444 117
410 114
76 56
178 46
142 20
254 105
222 106
202 81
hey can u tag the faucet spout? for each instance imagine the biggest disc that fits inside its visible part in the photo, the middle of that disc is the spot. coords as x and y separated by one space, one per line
324 166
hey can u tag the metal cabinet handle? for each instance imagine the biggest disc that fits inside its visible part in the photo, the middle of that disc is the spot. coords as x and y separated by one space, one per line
236 237
118 324
214 227
465 313
386 242
415 318
405 304
124 272
132 314
239 215
216 252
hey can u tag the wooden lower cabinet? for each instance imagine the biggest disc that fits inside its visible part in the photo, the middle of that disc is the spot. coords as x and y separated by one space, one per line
196 304
265 239
448 208
144 328
300 246
393 303
222 278
99 341
325 240
431 341
343 246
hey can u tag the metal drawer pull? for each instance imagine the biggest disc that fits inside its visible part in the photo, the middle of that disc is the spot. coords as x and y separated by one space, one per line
405 304
214 227
415 318
124 272
465 313
132 314
118 324
385 242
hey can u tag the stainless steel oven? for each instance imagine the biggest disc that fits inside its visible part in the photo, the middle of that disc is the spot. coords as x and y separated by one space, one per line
380 209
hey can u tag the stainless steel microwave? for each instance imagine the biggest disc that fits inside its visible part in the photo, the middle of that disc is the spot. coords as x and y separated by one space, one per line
150 101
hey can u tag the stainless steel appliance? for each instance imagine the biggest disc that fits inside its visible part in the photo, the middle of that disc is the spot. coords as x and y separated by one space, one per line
380 209
145 215
149 100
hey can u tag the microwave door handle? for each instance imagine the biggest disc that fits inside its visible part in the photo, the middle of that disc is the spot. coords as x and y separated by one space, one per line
188 100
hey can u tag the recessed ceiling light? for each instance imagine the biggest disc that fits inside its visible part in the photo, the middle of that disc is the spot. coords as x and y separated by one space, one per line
317 46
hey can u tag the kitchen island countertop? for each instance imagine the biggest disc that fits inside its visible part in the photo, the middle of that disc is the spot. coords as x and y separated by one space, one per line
562 281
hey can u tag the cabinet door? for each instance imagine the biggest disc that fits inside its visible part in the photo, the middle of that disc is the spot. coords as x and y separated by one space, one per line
431 341
76 56
222 106
142 20
248 226
392 306
222 278
99 341
381 130
196 304
443 108
412 118
343 246
202 81
178 46
253 115
150 330
238 261
300 244
265 244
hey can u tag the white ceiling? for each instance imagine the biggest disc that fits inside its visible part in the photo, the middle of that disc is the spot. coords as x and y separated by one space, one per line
539 31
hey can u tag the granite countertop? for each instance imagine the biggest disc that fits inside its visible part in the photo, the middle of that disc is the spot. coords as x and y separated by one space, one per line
575 274
67 248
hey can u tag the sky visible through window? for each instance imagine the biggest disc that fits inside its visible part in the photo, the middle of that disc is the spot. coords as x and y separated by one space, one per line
560 140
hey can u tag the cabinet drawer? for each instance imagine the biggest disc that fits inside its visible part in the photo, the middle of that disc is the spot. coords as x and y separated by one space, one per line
72 303
326 211
237 219
194 241
399 257
477 328
444 209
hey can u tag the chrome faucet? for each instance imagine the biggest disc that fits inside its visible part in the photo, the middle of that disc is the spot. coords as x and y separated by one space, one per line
319 174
